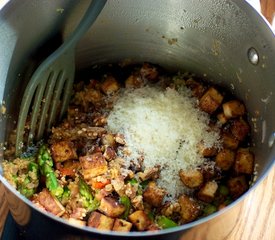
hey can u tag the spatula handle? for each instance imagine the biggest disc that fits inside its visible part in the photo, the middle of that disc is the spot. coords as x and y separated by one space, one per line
90 16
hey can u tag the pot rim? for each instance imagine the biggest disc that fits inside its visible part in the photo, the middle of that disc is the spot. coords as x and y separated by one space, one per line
181 228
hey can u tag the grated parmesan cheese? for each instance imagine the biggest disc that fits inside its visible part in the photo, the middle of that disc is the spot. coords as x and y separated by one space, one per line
165 128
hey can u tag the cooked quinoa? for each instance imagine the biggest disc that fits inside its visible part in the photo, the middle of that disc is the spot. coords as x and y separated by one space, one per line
141 150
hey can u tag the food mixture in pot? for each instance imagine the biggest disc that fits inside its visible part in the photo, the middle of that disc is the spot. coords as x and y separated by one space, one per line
140 149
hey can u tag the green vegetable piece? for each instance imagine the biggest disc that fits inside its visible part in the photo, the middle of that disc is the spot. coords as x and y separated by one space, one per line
133 181
89 201
144 184
53 185
127 203
228 201
45 163
223 190
30 183
66 195
209 209
165 222
151 216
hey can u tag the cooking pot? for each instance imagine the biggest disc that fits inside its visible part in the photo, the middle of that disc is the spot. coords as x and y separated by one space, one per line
224 41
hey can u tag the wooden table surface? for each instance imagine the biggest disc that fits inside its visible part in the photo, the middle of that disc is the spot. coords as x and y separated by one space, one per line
251 219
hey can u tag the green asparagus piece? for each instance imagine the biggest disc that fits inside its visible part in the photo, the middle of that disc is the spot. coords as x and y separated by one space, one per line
28 186
209 209
89 201
165 222
65 196
127 203
223 190
45 163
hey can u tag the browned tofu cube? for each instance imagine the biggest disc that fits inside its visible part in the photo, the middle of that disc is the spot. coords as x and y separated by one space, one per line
133 81
63 151
207 151
109 85
49 202
189 208
153 194
108 139
221 118
210 100
244 161
121 225
140 220
229 141
240 129
110 207
69 168
191 178
197 88
208 191
237 186
109 153
149 173
100 221
149 72
233 109
120 139
93 166
225 159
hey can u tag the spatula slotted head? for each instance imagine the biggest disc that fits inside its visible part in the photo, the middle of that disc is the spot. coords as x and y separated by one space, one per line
47 95
45 99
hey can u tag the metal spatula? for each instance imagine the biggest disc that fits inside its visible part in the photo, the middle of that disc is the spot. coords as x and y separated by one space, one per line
49 88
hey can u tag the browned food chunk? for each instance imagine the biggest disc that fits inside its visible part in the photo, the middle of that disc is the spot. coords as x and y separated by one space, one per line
87 96
225 159
140 220
109 85
208 191
210 100
110 207
100 121
49 202
240 129
133 81
191 178
149 173
63 151
85 132
93 165
207 151
233 109
100 221
137 202
69 168
108 139
75 116
121 225
221 118
197 88
237 186
229 141
120 139
244 161
109 153
189 208
153 194
149 72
